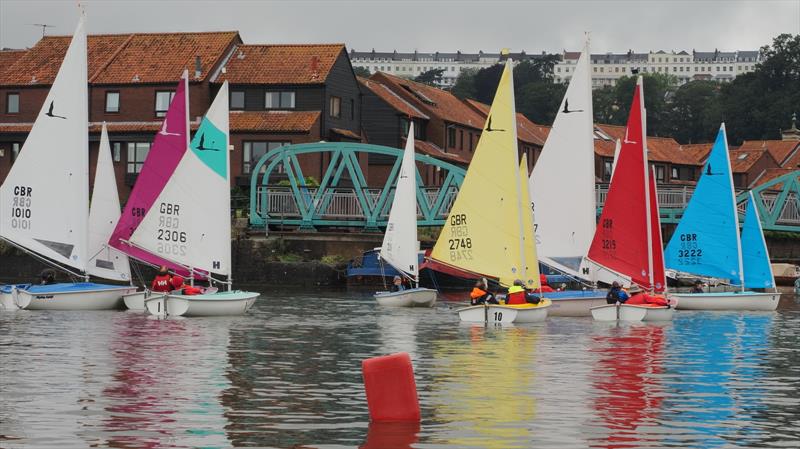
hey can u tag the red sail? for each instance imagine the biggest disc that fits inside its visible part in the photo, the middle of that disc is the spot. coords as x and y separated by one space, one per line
659 277
620 242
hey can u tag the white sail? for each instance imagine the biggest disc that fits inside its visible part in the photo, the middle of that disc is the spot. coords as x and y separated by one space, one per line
45 197
562 184
105 261
190 222
400 244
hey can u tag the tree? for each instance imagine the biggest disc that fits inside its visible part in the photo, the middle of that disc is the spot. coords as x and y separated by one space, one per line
431 77
361 71
465 84
539 101
612 104
694 114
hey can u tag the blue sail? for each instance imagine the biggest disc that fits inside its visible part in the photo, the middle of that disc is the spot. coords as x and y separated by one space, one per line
755 258
706 241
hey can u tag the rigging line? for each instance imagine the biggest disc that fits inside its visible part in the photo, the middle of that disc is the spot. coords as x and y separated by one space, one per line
191 270
43 259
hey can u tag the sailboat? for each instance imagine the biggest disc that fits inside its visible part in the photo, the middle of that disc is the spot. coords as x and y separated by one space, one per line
45 198
189 223
628 239
168 148
489 230
706 242
400 245
562 186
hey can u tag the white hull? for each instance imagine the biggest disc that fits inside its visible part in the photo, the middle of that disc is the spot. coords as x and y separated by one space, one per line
216 304
727 301
101 299
415 297
631 312
135 301
490 313
607 312
7 302
534 314
574 307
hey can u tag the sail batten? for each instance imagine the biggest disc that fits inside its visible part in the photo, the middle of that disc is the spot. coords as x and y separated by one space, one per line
45 197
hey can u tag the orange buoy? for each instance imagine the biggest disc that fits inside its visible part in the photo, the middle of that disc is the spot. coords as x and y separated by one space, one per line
390 387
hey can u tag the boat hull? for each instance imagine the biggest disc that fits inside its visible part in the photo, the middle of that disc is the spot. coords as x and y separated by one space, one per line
231 303
575 303
8 296
80 296
135 301
633 312
607 312
532 313
414 297
505 314
722 301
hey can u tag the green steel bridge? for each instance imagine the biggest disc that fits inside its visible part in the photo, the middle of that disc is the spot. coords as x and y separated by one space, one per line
344 200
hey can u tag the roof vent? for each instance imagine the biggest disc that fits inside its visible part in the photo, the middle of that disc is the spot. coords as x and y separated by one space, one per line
240 55
135 78
34 80
198 67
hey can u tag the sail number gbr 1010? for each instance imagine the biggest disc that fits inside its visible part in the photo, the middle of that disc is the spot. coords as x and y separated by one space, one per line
460 243
171 239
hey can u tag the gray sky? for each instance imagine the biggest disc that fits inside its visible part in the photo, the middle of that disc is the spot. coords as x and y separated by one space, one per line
429 25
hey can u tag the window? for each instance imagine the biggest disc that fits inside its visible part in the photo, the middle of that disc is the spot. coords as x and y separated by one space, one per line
116 150
608 166
470 142
660 172
675 173
163 99
15 147
253 151
112 101
12 103
352 109
335 107
279 100
237 99
461 139
451 137
137 153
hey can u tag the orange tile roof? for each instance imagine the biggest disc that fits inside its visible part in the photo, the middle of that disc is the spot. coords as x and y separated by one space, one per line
743 160
273 121
8 58
527 131
779 149
433 150
432 101
281 64
118 58
770 174
604 148
697 151
392 99
661 149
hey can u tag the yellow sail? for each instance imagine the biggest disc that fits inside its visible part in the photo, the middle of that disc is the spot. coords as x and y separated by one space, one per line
483 231
528 234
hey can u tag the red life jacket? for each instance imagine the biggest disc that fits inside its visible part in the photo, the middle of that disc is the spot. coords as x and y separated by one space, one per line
188 290
162 283
643 299
516 295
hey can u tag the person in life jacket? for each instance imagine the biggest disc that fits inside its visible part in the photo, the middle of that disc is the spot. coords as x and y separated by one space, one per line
48 276
641 298
616 294
397 284
480 293
698 286
517 293
163 281
545 287
188 290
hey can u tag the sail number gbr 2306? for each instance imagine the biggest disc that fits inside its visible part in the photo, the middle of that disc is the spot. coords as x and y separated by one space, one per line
171 240
460 242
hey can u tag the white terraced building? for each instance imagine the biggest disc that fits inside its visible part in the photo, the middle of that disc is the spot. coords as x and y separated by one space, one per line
606 68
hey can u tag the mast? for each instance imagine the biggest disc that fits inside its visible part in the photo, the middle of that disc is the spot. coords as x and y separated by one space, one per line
640 86
733 205
520 207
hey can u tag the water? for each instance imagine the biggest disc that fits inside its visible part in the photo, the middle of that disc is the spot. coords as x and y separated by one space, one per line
289 375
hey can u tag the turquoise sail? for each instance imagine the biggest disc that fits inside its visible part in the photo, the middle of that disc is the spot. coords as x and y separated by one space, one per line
706 241
755 258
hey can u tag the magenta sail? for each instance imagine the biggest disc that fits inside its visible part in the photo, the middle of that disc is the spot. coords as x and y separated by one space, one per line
169 146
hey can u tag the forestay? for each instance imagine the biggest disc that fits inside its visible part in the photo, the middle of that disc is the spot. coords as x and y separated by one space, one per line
105 261
400 245
706 240
755 257
168 148
189 222
45 197
484 231
563 180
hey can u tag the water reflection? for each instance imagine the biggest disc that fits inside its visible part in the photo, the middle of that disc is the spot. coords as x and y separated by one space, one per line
395 435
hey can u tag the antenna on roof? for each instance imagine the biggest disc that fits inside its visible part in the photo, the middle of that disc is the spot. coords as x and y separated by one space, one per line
44 26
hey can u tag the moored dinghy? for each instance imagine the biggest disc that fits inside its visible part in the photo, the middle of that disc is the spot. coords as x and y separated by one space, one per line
628 238
706 242
400 245
45 183
489 230
190 221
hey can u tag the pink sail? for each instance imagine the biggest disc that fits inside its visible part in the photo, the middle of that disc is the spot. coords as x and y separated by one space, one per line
169 146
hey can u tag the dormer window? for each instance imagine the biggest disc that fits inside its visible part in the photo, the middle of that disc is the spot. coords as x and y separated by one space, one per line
279 100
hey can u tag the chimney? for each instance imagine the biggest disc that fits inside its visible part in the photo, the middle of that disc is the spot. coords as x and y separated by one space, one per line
314 67
198 67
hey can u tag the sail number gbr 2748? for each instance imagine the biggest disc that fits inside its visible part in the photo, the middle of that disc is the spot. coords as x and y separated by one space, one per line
171 240
460 242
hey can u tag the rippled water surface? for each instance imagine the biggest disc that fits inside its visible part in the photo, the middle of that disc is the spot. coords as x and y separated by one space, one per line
289 375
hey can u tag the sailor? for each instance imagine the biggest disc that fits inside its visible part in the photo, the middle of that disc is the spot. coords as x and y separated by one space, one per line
641 298
163 281
480 293
188 290
48 276
698 286
545 287
616 294
397 284
516 293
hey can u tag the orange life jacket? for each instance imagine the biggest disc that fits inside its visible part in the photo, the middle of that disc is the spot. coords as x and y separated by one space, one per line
643 299
476 293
